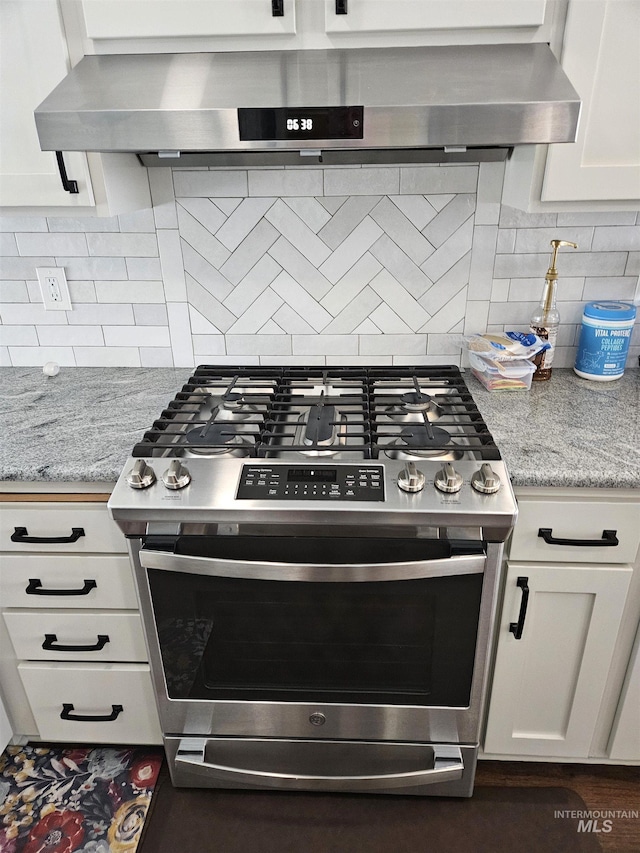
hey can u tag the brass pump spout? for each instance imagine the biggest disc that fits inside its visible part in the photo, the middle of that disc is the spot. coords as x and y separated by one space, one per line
552 272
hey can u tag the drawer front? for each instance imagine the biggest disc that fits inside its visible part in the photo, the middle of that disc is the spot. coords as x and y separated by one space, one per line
581 522
46 521
95 582
76 636
92 703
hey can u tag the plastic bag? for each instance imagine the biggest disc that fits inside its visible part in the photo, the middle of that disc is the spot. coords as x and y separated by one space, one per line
505 346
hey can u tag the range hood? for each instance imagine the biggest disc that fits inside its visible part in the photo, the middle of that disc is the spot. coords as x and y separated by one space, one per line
414 104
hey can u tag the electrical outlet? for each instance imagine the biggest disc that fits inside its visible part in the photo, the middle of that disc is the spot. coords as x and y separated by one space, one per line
54 288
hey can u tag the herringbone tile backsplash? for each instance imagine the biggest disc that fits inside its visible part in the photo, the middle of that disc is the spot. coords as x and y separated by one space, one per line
325 266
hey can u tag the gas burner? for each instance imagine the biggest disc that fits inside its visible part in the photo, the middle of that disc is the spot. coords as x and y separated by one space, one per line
217 439
408 409
416 401
421 442
320 427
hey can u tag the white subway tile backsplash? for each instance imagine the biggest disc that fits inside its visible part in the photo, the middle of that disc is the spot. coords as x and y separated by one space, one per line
85 336
156 357
208 184
364 181
285 182
121 245
130 291
52 244
27 356
304 265
15 336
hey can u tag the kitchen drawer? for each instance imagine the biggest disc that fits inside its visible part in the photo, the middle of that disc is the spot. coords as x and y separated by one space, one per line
59 521
575 520
97 581
108 636
117 700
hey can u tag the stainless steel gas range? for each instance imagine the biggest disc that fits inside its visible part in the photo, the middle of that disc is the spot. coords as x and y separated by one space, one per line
317 554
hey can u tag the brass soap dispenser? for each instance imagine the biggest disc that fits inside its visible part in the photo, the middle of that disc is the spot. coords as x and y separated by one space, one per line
546 318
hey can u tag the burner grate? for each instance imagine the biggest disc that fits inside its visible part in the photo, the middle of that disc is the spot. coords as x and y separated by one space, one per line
425 412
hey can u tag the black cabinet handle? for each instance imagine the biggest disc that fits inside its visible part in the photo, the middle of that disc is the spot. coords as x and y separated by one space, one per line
609 539
35 588
517 628
277 8
20 534
341 7
89 718
51 644
67 184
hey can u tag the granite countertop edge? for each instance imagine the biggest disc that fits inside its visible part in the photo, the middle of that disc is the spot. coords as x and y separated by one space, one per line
80 426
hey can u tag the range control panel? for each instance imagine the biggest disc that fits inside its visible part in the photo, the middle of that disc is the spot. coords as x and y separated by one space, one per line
311 483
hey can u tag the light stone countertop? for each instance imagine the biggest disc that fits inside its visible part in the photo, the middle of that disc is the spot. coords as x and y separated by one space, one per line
80 426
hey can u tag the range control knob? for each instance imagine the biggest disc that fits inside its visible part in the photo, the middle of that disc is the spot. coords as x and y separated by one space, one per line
176 476
447 479
141 476
410 479
486 480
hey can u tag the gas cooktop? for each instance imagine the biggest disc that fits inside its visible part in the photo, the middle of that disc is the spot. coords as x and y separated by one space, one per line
317 414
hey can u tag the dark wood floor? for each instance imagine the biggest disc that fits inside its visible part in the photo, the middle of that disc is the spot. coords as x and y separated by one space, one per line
601 787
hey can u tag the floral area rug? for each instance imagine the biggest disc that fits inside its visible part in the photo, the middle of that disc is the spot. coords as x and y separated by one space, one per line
75 800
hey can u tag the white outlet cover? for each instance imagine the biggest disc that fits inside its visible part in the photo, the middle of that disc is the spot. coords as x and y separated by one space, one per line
50 303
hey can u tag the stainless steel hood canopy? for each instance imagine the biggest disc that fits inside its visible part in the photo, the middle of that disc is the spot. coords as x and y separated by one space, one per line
360 105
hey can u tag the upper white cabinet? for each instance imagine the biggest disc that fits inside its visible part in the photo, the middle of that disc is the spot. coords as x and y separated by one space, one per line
116 19
601 58
342 16
33 60
601 170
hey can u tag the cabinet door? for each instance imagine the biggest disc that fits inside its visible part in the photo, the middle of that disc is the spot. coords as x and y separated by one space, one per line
32 62
548 685
600 57
175 18
378 15
625 736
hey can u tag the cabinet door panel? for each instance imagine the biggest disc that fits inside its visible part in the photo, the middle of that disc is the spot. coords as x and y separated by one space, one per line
376 15
625 737
170 18
548 685
600 56
32 62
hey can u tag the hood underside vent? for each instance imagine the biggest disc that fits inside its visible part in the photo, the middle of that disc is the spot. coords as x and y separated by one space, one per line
416 104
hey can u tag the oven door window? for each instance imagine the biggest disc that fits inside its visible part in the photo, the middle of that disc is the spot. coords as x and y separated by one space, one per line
409 642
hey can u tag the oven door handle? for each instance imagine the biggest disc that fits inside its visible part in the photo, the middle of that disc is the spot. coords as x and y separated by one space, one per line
448 765
319 572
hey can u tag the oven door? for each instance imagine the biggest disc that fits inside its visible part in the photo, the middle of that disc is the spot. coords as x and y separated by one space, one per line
316 637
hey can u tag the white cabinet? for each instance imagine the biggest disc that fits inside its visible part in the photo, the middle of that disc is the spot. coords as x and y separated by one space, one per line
425 15
548 684
114 19
601 170
625 735
74 657
570 611
33 60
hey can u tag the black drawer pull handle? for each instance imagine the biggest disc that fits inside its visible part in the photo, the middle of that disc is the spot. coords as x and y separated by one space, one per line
35 588
67 184
277 8
341 7
51 644
20 534
517 628
609 539
67 708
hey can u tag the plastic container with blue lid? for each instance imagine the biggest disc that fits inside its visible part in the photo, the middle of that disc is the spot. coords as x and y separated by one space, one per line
604 340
